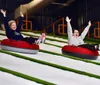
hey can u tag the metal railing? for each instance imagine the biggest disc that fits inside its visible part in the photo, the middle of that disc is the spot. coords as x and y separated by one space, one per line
60 27
27 24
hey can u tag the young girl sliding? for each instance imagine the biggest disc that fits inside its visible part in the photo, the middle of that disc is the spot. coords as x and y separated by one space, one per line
78 40
13 30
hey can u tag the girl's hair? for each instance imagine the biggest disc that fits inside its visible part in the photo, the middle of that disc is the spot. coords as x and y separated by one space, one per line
74 30
77 30
11 21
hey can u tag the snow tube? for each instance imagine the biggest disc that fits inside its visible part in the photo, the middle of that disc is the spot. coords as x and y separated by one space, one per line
19 46
80 52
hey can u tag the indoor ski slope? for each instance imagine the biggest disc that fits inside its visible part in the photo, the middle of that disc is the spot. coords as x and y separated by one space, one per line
46 72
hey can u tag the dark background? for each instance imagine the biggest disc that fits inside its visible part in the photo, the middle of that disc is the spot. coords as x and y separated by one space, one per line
80 11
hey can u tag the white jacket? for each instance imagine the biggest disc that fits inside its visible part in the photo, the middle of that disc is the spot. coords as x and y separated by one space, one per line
73 40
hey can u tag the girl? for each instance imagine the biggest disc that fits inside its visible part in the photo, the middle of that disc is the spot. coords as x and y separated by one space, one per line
13 30
76 40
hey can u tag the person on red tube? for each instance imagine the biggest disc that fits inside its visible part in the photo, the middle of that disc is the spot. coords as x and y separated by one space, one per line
13 29
78 40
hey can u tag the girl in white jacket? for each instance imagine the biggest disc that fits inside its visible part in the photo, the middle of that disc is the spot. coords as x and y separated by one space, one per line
76 40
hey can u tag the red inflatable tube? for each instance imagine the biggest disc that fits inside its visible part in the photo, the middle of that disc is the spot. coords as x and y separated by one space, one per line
19 46
80 52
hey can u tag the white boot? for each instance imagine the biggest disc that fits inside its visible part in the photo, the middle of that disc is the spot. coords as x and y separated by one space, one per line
37 42
97 47
43 40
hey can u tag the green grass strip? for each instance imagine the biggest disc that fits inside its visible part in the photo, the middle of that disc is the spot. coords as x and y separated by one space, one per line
25 76
52 65
47 43
2 34
54 45
46 38
87 40
67 56
71 57
93 40
38 36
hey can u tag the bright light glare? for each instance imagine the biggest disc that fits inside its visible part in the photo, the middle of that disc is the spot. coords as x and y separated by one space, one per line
34 3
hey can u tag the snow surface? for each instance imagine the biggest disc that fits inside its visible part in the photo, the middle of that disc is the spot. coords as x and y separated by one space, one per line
57 38
9 79
44 72
67 62
2 37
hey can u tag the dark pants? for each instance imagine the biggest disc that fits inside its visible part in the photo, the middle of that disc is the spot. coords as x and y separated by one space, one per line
90 46
29 40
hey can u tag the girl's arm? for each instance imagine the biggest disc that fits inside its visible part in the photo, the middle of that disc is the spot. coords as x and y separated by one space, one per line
20 21
69 28
84 33
5 19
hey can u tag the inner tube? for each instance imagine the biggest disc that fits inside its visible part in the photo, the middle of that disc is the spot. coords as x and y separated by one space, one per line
19 46
80 52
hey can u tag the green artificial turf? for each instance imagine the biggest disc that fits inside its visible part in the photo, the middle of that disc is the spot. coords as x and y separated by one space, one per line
25 76
51 64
